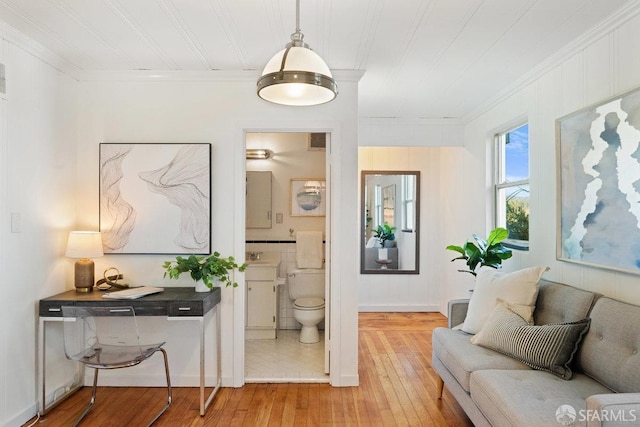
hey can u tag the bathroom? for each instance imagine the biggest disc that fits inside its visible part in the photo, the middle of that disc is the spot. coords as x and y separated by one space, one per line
294 163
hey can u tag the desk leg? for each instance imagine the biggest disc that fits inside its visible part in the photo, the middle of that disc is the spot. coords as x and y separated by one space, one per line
42 373
204 404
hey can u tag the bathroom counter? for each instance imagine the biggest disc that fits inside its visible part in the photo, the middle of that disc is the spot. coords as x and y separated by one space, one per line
267 259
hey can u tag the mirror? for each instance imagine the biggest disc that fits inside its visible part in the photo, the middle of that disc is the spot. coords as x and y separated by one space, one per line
390 222
258 199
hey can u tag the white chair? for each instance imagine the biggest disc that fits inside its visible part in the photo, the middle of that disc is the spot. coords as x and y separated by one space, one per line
107 338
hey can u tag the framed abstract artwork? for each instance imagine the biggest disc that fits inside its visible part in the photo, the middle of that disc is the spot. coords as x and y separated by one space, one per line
155 198
308 197
599 184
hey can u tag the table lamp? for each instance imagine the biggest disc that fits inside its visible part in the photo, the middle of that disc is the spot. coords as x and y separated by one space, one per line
84 245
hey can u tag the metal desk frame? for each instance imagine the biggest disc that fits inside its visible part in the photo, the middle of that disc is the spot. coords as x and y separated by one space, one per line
176 304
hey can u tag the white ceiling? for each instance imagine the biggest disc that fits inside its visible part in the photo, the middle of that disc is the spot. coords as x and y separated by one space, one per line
423 58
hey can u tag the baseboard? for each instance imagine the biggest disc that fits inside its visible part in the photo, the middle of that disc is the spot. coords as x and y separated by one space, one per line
405 308
347 381
20 418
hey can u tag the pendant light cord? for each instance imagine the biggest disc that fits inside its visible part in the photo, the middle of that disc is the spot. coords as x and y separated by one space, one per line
297 16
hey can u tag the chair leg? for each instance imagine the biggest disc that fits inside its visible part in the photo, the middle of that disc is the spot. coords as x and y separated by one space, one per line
93 398
440 387
166 370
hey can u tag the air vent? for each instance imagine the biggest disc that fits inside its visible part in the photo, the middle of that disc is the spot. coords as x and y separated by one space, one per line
317 141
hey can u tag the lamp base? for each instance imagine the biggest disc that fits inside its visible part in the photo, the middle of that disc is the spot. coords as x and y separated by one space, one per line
84 275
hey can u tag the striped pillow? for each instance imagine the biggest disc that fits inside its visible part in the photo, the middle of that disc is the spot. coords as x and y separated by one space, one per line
548 347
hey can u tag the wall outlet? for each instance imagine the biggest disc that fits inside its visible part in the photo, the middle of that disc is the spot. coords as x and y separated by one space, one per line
279 218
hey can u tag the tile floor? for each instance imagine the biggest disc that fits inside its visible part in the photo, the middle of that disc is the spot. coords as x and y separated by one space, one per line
284 360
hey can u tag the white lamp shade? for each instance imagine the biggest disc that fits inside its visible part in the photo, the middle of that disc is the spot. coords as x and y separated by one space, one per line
298 59
84 244
290 92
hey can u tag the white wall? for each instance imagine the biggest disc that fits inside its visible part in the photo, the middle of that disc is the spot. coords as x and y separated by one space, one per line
130 108
291 159
38 183
597 66
411 292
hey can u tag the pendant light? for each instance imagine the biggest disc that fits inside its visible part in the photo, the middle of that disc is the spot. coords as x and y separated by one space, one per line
297 75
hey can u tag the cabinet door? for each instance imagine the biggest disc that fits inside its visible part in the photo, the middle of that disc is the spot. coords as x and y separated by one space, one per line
258 203
260 304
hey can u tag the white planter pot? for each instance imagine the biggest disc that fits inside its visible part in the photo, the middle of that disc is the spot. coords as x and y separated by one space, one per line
201 287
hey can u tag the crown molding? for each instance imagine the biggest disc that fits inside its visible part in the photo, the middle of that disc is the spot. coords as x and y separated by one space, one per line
17 38
605 27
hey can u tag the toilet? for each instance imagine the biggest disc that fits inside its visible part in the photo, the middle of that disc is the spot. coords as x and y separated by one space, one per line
306 291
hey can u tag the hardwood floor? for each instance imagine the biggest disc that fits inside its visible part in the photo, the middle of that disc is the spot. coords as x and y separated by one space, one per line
397 388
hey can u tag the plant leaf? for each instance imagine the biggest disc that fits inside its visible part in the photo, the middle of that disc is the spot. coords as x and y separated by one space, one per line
497 235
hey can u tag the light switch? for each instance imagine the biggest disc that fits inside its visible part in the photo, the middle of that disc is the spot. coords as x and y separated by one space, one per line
16 222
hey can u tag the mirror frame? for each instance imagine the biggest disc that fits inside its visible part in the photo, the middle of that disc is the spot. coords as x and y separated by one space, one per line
363 186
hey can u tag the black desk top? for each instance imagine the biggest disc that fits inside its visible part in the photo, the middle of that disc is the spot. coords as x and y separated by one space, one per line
173 301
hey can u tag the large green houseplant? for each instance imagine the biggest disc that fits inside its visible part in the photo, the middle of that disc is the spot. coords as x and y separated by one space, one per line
488 252
204 268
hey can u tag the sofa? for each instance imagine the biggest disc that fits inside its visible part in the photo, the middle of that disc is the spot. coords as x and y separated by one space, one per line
495 389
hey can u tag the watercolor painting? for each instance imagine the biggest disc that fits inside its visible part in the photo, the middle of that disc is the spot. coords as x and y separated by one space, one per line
599 185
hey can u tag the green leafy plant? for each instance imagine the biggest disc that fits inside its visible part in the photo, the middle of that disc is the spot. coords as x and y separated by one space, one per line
384 232
204 268
488 252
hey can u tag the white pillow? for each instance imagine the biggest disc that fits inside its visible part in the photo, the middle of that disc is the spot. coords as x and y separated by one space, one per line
519 287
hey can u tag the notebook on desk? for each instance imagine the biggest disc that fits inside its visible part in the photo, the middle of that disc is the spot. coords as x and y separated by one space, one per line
133 293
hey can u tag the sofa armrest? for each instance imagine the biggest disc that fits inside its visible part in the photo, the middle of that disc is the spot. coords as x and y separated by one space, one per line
613 409
456 312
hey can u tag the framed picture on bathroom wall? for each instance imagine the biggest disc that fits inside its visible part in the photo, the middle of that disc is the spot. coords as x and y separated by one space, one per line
308 197
155 198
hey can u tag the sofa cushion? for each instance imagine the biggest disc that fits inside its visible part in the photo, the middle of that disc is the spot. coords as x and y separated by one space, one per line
461 358
529 398
548 347
519 287
610 351
558 303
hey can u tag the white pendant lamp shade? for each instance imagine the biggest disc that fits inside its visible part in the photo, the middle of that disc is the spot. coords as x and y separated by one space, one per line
297 75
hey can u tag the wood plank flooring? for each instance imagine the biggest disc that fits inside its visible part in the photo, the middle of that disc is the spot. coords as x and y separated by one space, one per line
397 388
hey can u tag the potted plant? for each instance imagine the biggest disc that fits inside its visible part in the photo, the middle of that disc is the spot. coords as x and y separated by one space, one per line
488 252
385 234
205 269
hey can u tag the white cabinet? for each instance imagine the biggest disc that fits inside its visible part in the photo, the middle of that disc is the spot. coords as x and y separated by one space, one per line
262 301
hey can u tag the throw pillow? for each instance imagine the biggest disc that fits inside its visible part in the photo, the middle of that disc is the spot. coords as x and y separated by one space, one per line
548 347
519 287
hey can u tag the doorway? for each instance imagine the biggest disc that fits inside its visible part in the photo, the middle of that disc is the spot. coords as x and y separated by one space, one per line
296 165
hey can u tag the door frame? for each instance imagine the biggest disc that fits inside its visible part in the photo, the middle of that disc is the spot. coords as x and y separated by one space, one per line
332 350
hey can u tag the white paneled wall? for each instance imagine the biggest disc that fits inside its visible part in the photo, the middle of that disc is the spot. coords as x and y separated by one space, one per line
599 69
38 190
410 292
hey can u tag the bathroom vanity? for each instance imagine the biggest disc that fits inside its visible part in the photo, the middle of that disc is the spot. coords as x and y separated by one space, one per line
261 277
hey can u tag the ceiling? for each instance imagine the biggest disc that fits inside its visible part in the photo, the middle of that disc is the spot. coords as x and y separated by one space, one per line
422 58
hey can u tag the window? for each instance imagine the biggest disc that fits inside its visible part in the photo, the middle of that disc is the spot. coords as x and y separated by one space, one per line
408 202
377 206
512 185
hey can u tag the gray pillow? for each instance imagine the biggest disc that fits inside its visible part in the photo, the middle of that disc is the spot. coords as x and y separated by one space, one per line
548 347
